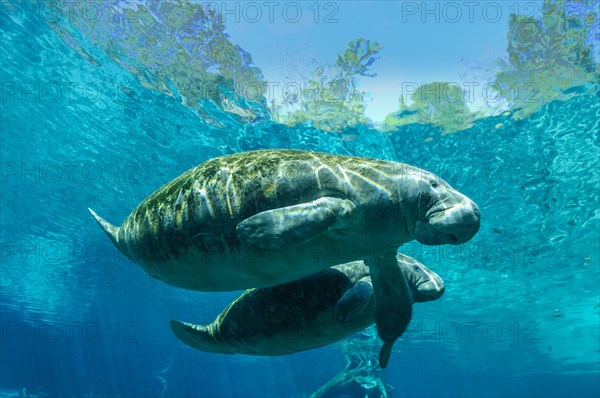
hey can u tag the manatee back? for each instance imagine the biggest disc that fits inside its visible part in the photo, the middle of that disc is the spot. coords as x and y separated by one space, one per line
199 211
289 317
283 310
202 207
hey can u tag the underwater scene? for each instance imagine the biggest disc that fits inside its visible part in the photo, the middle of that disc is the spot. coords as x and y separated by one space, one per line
411 189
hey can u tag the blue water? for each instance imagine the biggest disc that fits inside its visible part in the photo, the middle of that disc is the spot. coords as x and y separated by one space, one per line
521 312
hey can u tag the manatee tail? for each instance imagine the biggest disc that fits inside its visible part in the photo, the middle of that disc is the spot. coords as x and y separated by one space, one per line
111 230
385 353
198 337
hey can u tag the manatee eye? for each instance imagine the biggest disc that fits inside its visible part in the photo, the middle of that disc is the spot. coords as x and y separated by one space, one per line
434 185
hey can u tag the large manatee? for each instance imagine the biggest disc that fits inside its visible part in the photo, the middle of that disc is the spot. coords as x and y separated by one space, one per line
262 218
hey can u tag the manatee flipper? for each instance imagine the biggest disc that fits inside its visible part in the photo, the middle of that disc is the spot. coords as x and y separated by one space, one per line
393 301
198 337
385 353
277 228
354 301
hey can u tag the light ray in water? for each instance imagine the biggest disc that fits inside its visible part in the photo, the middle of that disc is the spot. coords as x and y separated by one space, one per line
370 182
201 191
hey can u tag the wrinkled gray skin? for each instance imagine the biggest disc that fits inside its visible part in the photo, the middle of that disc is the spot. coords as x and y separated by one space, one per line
314 311
262 218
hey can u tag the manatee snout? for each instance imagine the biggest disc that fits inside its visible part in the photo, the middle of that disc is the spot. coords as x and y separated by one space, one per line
425 284
461 221
449 224
429 290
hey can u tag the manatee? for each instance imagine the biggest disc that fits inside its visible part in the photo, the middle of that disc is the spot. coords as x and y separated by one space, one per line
262 218
355 381
311 312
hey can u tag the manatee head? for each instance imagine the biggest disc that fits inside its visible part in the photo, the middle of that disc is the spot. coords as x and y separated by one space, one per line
425 285
444 215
